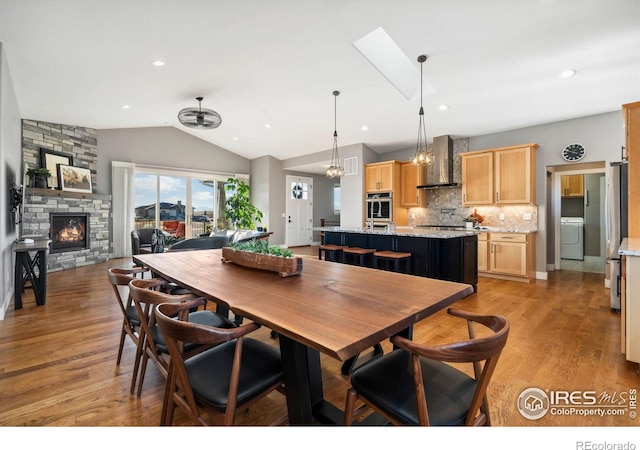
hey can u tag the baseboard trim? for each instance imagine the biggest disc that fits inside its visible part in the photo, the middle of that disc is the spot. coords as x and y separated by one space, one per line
542 275
5 304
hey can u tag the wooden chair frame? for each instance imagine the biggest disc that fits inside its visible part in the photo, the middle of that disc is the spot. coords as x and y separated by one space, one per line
178 390
475 350
120 277
146 298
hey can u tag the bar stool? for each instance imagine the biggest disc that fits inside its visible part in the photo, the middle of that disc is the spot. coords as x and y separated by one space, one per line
363 255
392 257
332 252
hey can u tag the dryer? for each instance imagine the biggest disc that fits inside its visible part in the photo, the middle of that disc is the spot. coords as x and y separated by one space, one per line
572 238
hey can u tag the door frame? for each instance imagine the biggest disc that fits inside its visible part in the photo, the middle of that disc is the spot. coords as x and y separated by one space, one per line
557 198
288 180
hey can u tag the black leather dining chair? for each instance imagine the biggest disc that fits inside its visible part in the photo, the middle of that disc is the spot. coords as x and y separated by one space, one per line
147 295
416 385
233 372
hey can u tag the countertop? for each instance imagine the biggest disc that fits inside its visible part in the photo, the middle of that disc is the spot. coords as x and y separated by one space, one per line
419 232
630 247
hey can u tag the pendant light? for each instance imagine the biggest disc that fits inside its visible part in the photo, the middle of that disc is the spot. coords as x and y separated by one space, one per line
421 157
335 169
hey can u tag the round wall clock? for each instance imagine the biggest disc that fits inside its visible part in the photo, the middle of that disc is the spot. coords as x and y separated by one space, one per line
573 152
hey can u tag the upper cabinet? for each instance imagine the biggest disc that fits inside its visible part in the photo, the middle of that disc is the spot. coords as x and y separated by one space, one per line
412 177
382 176
631 114
501 176
477 178
572 185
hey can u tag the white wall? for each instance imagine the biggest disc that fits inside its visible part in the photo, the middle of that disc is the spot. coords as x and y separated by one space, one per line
10 171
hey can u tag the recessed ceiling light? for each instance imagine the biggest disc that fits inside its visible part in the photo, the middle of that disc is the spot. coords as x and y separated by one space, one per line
125 107
268 125
158 63
364 128
567 73
443 107
235 138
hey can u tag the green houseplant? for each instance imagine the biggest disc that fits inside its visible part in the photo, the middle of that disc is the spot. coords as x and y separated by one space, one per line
239 209
39 177
257 254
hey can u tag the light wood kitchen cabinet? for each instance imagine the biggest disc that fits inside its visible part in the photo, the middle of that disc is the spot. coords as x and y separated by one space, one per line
413 176
631 114
382 176
483 252
477 178
507 255
572 185
631 310
501 176
385 177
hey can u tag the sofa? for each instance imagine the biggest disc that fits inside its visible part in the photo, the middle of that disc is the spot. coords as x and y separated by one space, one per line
218 239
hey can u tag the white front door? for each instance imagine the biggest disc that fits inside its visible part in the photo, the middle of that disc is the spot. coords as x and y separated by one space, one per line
299 213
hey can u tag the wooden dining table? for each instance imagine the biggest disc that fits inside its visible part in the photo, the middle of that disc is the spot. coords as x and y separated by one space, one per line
336 309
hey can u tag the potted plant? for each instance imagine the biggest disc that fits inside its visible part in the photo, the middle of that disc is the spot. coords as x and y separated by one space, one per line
39 177
239 209
469 221
257 254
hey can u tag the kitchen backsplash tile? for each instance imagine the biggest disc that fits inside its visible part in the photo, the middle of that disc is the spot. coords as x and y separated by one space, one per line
445 209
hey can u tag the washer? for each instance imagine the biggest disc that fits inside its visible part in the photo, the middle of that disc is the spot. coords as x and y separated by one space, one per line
572 238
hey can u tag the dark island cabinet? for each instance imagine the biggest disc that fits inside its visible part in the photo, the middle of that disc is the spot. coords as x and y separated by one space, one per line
451 258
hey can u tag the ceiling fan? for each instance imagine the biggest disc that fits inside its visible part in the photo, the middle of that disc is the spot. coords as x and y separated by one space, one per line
204 119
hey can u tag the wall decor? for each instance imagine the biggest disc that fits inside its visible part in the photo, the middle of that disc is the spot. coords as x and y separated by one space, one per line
74 179
50 159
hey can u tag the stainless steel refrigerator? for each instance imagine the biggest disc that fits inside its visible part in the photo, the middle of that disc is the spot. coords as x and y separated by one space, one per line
616 224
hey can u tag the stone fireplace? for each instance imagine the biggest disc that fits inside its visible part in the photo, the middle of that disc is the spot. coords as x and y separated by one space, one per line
68 231
83 216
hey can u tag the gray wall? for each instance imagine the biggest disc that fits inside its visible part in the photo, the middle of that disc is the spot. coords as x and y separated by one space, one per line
10 171
267 187
602 135
592 215
162 146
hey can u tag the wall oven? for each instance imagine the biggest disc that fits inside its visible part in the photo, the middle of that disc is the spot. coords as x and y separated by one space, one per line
379 208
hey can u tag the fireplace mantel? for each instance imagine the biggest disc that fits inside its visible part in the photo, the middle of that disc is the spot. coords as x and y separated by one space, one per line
65 194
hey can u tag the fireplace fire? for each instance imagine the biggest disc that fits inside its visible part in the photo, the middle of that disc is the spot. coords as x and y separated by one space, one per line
69 232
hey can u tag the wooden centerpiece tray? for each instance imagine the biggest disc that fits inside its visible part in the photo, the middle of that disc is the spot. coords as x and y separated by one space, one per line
285 267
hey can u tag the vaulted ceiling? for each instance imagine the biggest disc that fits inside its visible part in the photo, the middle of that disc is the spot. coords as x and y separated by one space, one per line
269 67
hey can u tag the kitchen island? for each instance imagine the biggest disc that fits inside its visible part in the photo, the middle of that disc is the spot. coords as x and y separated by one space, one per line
450 255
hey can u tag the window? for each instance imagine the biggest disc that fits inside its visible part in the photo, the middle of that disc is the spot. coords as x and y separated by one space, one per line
336 199
182 204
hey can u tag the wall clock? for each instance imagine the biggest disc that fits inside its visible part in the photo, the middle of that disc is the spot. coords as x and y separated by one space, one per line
573 152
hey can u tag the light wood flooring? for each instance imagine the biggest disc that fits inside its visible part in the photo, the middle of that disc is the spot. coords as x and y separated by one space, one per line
58 361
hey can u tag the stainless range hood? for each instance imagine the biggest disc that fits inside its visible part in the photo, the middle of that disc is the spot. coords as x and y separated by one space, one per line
440 173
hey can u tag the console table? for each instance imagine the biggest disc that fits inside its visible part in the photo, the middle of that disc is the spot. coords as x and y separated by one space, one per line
31 266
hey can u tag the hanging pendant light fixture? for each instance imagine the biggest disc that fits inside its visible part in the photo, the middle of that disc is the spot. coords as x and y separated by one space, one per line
421 157
335 169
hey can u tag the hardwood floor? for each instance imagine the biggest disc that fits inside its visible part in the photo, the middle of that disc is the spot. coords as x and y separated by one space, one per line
58 361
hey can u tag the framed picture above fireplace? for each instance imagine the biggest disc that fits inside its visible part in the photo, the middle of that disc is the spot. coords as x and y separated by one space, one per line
74 179
50 160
